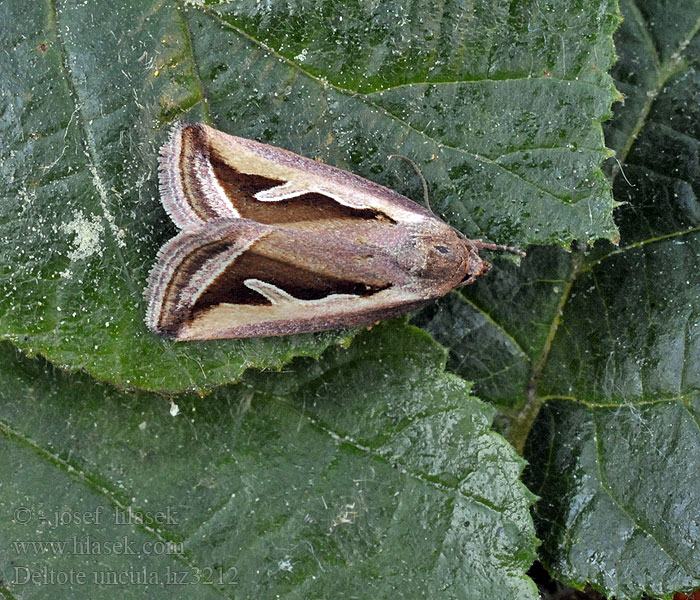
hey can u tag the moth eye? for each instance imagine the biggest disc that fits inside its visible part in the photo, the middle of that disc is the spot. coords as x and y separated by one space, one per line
442 249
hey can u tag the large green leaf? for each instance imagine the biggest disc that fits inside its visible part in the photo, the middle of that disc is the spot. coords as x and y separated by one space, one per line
368 473
500 104
604 346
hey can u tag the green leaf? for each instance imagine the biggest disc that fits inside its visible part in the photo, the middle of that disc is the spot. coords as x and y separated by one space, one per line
367 473
500 104
603 347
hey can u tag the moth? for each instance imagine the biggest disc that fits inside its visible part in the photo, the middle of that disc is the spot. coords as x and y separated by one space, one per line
272 243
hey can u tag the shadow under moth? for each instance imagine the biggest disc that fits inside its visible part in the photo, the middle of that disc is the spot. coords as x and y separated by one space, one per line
272 243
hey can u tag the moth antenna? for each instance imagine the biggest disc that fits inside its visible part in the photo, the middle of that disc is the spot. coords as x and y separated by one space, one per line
497 248
479 245
416 168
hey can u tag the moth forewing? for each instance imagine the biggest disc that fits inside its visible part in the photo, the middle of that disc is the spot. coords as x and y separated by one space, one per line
273 243
187 267
238 278
189 190
202 163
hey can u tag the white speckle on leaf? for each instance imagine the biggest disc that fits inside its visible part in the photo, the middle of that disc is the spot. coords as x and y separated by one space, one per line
25 196
88 235
285 565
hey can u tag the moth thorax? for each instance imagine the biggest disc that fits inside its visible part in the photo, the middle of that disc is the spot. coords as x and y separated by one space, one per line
434 254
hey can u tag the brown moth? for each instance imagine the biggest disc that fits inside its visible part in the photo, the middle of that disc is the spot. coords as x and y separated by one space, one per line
273 243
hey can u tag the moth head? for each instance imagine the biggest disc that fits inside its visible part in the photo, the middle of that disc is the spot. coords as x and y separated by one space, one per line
435 253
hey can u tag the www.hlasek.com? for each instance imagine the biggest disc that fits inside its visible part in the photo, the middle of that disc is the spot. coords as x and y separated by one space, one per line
87 545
